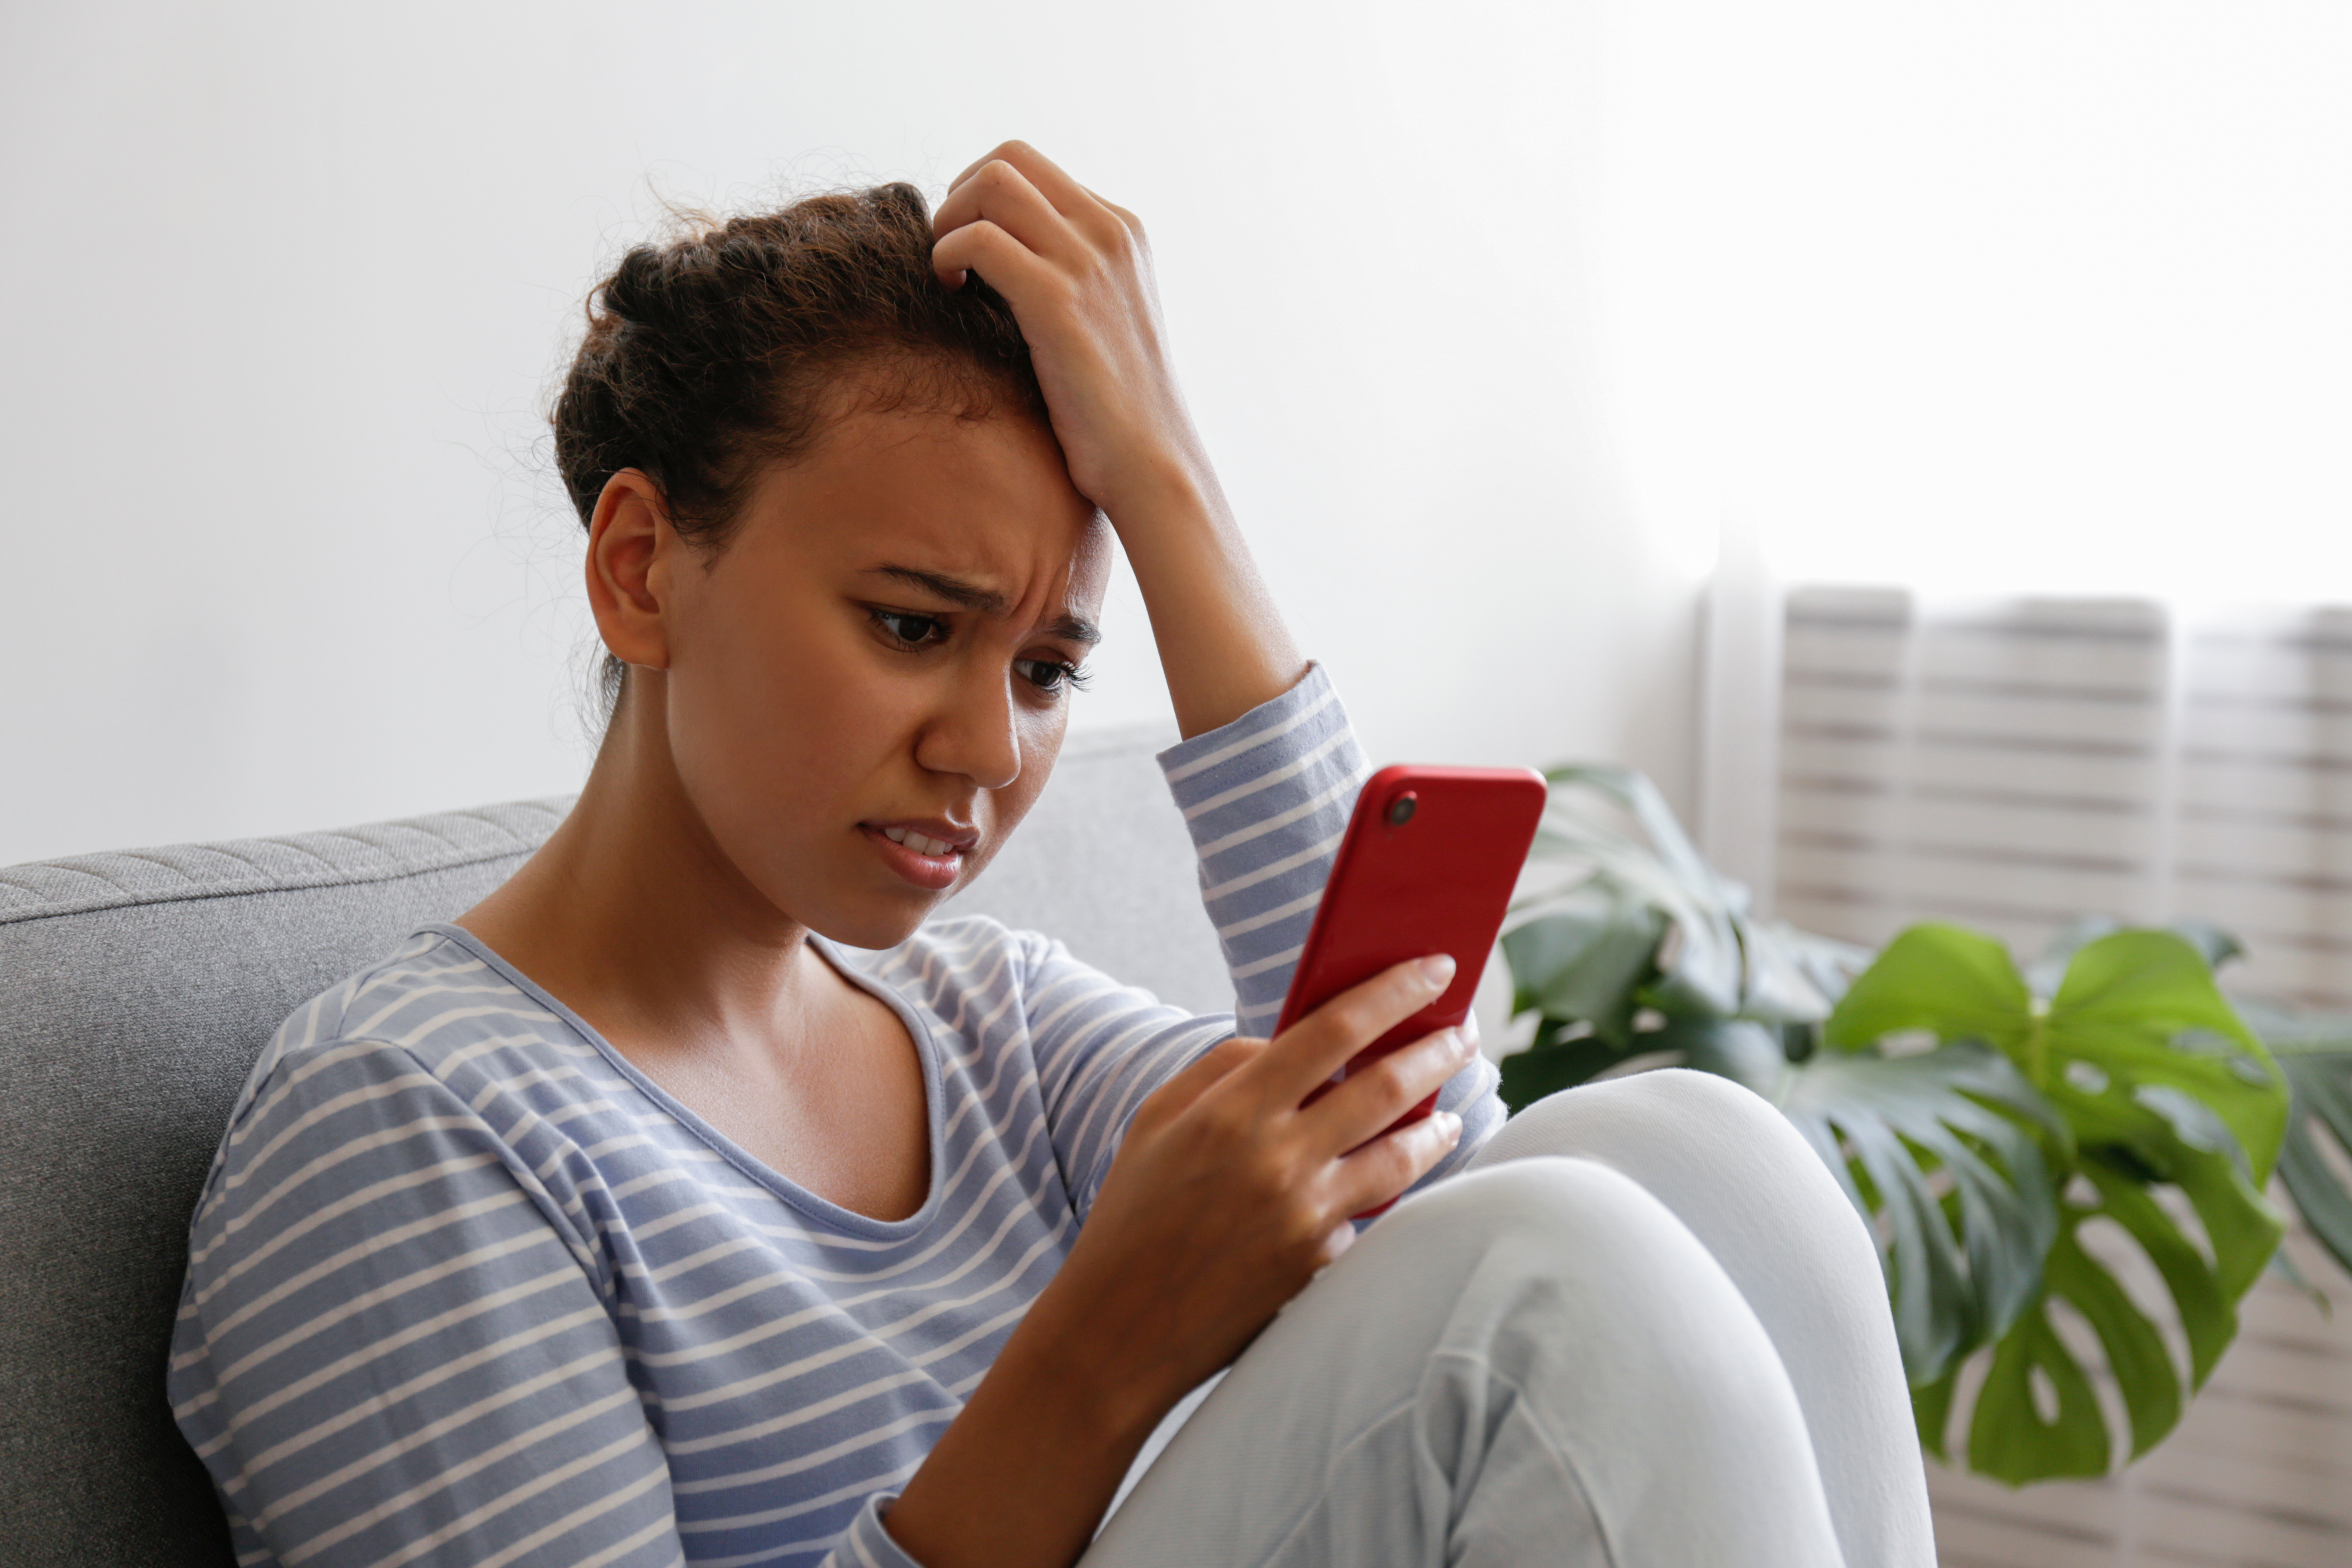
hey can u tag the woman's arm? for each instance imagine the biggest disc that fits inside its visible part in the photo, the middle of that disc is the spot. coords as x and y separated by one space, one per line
389 1341
1228 1193
1078 273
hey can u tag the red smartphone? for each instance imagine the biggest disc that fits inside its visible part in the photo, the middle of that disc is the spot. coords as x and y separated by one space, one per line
1428 864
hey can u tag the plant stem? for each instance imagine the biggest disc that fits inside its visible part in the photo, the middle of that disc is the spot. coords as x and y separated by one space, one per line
2037 1047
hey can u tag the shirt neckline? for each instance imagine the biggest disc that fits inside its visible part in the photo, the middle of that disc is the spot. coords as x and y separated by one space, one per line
814 1206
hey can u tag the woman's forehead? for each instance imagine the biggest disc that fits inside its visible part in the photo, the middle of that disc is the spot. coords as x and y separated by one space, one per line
986 503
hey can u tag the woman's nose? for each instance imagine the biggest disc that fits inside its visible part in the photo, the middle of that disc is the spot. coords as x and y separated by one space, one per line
975 734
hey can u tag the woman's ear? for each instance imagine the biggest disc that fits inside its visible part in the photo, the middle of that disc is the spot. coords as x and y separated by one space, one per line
631 550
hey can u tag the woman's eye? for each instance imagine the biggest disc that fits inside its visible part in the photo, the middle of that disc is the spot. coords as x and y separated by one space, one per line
1051 674
916 631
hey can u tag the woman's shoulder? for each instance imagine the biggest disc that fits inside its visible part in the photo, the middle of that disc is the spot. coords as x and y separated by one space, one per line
429 1000
420 1031
428 1060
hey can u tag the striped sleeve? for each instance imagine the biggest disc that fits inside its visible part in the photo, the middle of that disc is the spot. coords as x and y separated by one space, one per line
392 1346
1267 799
1101 1048
866 1544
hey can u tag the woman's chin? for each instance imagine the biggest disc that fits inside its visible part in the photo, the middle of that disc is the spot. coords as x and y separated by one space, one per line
877 919
882 896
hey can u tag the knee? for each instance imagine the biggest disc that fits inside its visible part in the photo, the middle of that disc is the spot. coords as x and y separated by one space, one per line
1689 1087
1688 1104
1682 1097
1671 1108
1548 1247
1542 1205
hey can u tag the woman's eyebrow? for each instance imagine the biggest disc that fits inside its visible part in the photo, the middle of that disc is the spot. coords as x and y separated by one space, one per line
954 590
987 601
1076 628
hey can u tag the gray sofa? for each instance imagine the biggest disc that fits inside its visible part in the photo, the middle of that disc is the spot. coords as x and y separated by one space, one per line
137 987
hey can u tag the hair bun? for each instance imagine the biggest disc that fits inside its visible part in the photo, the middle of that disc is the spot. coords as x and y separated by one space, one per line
633 290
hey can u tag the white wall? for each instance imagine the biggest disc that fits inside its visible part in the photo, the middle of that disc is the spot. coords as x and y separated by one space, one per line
286 284
2015 295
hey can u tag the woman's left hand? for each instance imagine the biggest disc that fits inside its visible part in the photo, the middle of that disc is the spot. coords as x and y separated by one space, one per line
1077 272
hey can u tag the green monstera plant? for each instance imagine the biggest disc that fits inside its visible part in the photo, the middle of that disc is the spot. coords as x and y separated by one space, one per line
2012 1135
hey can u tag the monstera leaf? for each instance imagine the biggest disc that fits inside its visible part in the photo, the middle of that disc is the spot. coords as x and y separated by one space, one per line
1586 956
2161 1087
1942 1145
1631 923
2003 1133
1658 870
2315 1053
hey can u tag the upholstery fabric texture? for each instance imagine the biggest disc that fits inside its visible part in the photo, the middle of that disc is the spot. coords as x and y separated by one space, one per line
137 987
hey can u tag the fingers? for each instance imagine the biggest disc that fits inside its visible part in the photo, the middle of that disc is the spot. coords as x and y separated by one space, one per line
1009 266
998 193
1066 193
991 155
1383 1168
1026 192
1319 1044
1214 1067
1376 1094
1134 224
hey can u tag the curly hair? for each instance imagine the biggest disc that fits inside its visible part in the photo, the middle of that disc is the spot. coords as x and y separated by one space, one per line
739 344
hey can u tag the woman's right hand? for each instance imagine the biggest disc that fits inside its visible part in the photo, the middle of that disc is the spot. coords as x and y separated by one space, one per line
1229 1190
1236 1183
1076 271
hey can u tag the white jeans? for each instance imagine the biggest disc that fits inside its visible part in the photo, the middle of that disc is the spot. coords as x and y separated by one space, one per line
1645 1330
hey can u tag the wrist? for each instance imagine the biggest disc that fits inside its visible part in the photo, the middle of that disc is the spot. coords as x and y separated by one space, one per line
1222 646
1106 1392
1021 1476
1168 491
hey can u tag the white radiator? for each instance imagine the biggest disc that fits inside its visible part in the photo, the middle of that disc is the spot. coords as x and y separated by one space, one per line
2012 766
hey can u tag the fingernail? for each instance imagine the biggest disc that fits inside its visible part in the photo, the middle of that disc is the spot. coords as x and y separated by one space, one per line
1438 970
1450 1124
1465 1042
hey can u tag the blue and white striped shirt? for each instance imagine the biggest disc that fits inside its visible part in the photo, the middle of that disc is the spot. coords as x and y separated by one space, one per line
466 1286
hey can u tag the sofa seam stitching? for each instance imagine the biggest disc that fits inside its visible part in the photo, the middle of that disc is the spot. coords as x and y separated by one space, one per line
342 878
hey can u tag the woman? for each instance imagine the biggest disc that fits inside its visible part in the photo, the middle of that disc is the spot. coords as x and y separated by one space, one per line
626 1221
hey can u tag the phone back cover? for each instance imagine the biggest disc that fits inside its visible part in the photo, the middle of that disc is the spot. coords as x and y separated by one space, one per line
1440 882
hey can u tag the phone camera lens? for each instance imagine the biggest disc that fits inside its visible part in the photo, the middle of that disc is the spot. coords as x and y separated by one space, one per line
1401 808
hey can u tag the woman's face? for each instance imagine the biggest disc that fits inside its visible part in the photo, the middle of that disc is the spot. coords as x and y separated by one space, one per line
867 686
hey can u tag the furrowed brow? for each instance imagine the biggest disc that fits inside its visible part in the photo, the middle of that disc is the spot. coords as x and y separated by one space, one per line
1076 628
954 590
987 601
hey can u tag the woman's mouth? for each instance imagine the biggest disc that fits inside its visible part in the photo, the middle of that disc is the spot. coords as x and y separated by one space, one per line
917 843
929 862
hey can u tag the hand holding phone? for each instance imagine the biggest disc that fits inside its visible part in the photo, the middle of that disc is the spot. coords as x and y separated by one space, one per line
1428 866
